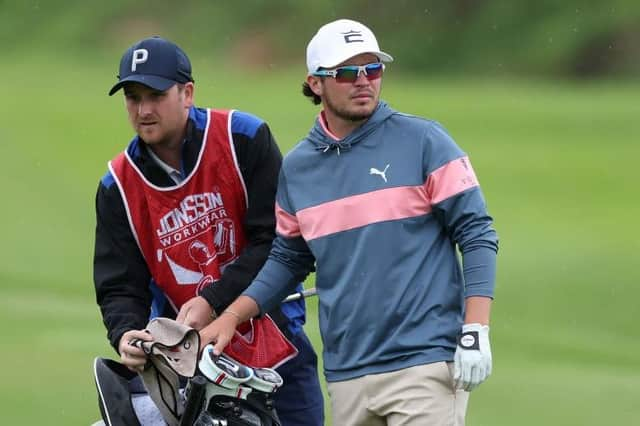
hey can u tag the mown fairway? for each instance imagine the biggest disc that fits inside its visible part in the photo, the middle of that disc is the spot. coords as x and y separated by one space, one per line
557 163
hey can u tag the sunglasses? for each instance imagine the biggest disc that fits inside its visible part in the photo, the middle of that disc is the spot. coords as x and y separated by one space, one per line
350 73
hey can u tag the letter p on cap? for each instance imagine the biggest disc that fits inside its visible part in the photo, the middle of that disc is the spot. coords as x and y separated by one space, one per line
140 56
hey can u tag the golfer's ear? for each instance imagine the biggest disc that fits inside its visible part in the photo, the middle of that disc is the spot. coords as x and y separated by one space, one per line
315 84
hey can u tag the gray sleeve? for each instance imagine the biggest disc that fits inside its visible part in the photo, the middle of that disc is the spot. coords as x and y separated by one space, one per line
289 263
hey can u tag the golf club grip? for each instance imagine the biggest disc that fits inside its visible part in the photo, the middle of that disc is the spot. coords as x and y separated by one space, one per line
197 386
301 295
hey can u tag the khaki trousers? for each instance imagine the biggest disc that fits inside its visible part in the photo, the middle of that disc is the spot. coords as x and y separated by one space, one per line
423 395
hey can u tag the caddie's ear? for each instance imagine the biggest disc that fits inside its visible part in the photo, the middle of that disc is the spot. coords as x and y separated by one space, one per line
315 84
188 90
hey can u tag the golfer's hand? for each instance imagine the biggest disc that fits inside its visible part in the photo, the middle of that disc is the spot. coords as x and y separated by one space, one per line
219 332
196 313
130 355
472 361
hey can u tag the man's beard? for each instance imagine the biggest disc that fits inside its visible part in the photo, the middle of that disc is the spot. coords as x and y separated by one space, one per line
346 115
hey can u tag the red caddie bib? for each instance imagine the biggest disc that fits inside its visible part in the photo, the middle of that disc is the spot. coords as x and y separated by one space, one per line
188 232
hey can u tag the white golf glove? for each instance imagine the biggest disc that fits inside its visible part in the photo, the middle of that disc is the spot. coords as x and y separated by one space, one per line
472 361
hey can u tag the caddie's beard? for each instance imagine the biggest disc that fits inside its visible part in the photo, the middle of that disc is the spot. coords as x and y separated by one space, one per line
347 115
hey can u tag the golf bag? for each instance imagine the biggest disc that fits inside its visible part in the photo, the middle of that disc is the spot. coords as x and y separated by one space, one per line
222 393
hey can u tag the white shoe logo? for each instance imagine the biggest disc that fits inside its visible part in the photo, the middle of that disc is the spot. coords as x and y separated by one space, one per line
383 174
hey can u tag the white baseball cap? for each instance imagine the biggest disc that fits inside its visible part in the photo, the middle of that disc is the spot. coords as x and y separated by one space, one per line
340 40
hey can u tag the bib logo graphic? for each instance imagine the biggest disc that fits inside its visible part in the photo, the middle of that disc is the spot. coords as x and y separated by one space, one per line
353 37
200 253
139 56
382 174
194 216
210 261
200 226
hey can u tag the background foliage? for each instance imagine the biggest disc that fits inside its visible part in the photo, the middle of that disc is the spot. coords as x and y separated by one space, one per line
555 152
486 37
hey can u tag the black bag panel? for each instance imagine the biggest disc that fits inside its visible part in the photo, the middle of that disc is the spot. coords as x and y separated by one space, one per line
114 392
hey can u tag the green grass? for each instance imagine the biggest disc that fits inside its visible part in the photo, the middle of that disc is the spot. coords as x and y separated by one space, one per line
556 162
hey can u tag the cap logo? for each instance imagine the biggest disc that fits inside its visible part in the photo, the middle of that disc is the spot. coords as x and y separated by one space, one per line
139 56
353 36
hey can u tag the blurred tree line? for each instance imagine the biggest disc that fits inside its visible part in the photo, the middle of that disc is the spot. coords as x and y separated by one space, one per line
486 37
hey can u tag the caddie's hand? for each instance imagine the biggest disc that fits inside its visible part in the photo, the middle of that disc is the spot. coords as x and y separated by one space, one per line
472 360
219 332
196 313
131 355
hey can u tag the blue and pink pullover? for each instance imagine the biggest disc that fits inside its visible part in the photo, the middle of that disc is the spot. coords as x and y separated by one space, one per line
380 216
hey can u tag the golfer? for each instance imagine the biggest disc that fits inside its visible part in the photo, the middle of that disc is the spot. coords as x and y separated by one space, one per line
379 203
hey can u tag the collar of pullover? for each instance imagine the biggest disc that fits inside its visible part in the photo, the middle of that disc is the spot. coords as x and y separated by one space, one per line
326 142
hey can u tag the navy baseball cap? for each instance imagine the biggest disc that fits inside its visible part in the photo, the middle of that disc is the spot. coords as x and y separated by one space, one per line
154 62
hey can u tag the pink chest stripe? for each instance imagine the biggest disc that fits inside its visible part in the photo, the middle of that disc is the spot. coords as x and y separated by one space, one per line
451 179
286 224
378 206
363 209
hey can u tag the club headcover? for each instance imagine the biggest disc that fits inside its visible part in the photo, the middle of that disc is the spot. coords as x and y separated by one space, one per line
172 353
